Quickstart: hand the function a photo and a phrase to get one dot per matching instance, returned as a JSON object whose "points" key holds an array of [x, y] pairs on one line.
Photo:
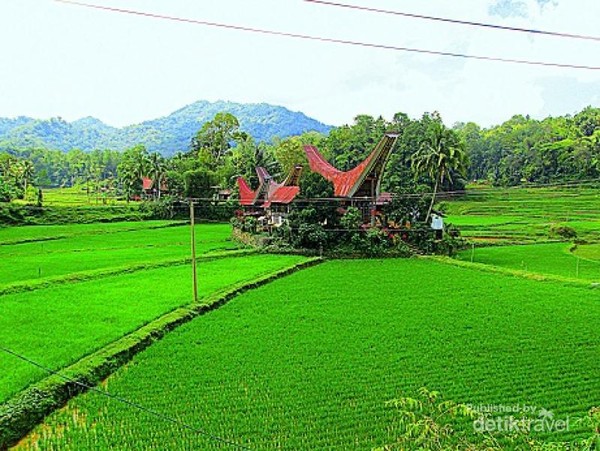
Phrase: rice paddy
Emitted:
{"points": [[308, 361]]}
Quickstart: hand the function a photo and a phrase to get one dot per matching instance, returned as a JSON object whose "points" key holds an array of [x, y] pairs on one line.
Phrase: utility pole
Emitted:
{"points": [[193, 238]]}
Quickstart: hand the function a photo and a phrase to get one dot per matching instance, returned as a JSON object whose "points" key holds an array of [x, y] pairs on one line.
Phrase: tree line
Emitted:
{"points": [[525, 150], [428, 156]]}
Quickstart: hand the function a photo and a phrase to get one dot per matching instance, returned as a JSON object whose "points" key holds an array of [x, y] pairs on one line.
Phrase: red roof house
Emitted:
{"points": [[268, 191], [362, 181]]}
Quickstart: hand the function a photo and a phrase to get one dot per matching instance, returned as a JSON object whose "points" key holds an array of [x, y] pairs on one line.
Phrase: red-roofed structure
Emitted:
{"points": [[362, 181], [149, 188], [270, 192], [147, 183], [247, 196]]}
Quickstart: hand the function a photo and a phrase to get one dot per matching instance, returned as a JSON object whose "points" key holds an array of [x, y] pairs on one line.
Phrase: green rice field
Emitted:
{"points": [[589, 252], [551, 259], [16, 235], [525, 215], [58, 325], [309, 361], [62, 322], [69, 321], [89, 248]]}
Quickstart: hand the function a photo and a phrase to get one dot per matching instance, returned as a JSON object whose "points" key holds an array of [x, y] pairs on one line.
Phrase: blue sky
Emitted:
{"points": [[62, 60]]}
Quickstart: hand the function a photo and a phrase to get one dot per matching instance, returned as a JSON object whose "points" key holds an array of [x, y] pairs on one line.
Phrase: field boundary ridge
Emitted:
{"points": [[25, 410], [514, 272], [77, 234], [86, 276]]}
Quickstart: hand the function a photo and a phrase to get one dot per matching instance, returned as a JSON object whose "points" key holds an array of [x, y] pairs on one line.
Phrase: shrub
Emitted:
{"points": [[311, 236], [163, 208], [559, 231]]}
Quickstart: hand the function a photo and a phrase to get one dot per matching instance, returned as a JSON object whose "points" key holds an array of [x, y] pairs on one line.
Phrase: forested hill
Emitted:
{"points": [[166, 135]]}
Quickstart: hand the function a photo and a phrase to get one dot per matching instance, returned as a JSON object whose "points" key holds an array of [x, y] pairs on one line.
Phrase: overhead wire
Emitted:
{"points": [[329, 40], [466, 193], [456, 21], [123, 400]]}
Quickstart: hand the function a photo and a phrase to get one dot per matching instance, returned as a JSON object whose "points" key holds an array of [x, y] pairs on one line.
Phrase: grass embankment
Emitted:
{"points": [[588, 251], [56, 326], [308, 361], [553, 259], [525, 215]]}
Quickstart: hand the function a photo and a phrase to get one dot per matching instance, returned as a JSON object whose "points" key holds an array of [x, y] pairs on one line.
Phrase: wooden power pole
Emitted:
{"points": [[193, 238]]}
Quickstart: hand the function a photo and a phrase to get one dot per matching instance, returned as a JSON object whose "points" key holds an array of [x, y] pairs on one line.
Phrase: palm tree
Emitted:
{"points": [[134, 165], [158, 171], [441, 155], [28, 172]]}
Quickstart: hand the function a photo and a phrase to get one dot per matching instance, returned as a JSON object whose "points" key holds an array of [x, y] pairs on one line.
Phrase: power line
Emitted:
{"points": [[330, 40], [122, 400], [457, 21]]}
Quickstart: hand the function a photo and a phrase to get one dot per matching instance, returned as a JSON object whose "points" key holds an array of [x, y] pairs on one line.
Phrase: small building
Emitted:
{"points": [[221, 194], [270, 200], [149, 189]]}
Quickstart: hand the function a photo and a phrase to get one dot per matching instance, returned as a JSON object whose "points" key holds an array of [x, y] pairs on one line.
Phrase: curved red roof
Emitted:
{"points": [[271, 191], [348, 183]]}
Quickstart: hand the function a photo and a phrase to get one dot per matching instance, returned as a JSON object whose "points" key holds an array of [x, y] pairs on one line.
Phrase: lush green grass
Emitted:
{"points": [[16, 234], [589, 251], [61, 324], [525, 214], [77, 195], [309, 361], [555, 259], [90, 251]]}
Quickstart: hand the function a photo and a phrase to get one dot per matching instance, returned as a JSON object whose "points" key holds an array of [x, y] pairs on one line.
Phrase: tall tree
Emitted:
{"points": [[158, 171], [134, 165], [441, 155], [216, 138], [28, 172]]}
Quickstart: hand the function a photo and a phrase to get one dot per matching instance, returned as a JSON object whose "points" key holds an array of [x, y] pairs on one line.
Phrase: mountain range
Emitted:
{"points": [[165, 135]]}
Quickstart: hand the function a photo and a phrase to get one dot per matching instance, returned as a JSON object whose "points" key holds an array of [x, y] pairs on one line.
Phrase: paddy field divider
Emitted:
{"points": [[514, 272], [21, 413], [84, 276]]}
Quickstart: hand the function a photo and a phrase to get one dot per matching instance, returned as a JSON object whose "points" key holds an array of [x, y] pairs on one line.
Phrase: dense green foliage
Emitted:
{"points": [[220, 151], [525, 150], [327, 229], [16, 176], [522, 150], [166, 135], [94, 170], [431, 422], [309, 361]]}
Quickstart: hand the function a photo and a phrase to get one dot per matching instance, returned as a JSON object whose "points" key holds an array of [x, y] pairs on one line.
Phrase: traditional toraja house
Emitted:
{"points": [[150, 188], [271, 200], [359, 187]]}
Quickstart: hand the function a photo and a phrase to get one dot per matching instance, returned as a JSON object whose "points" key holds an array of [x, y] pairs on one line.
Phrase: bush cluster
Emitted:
{"points": [[327, 229]]}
